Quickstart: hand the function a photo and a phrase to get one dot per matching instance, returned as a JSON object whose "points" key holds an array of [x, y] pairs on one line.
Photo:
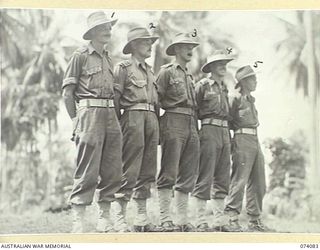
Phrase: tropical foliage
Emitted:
{"points": [[289, 196], [300, 56], [32, 70]]}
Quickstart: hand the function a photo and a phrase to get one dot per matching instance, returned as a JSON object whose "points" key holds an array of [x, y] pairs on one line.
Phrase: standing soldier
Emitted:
{"points": [[213, 111], [137, 95], [248, 162], [88, 95], [178, 132]]}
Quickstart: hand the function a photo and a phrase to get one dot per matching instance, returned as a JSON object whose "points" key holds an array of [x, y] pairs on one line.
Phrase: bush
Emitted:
{"points": [[288, 195]]}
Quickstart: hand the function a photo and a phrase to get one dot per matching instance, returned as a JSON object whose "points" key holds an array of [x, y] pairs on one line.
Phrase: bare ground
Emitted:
{"points": [[39, 222]]}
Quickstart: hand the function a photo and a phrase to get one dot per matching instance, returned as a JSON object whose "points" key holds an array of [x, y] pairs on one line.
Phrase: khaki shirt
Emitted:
{"points": [[91, 72], [136, 83], [243, 112], [212, 99], [176, 87]]}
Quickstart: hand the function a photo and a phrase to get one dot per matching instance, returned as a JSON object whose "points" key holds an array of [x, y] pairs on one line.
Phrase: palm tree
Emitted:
{"points": [[32, 70], [302, 53]]}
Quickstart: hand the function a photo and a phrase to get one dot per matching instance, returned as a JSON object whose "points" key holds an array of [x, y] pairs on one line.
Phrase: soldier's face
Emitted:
{"points": [[102, 33], [250, 83], [219, 68], [142, 47], [184, 51]]}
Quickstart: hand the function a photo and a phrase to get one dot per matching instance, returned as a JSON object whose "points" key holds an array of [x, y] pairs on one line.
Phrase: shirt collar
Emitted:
{"points": [[177, 65], [249, 98], [214, 79]]}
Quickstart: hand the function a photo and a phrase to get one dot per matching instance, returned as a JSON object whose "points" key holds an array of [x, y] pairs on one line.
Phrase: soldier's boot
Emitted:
{"points": [[219, 218], [104, 224], [141, 222], [166, 224], [232, 226], [78, 215], [187, 228], [182, 212], [256, 225], [120, 216], [202, 225]]}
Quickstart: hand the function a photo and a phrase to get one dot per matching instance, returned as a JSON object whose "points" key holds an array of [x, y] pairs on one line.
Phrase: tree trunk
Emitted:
{"points": [[314, 100]]}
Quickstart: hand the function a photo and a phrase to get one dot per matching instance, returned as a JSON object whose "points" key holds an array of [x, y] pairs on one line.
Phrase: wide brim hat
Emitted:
{"points": [[243, 73], [218, 55], [180, 38], [95, 19], [135, 34]]}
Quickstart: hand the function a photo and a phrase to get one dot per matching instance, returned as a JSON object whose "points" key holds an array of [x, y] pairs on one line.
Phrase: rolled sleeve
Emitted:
{"points": [[73, 71]]}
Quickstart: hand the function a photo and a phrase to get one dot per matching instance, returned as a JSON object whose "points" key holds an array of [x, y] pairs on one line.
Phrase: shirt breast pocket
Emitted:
{"points": [[94, 75], [211, 100], [177, 86], [137, 89], [244, 112], [211, 96]]}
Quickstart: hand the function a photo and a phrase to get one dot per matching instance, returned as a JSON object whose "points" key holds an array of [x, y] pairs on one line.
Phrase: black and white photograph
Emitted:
{"points": [[119, 121]]}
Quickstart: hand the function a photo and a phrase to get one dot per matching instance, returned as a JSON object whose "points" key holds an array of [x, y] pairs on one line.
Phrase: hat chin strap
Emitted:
{"points": [[244, 90], [217, 78], [181, 61], [98, 46]]}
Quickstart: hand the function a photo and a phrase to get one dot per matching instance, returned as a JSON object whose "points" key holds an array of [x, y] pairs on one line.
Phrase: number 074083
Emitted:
{"points": [[309, 246]]}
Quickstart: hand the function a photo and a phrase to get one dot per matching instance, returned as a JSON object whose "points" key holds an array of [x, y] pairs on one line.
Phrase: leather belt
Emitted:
{"points": [[103, 103], [180, 110], [142, 106], [213, 121], [249, 131]]}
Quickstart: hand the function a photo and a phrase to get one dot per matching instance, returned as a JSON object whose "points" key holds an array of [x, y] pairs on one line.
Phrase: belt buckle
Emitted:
{"points": [[150, 107], [108, 103]]}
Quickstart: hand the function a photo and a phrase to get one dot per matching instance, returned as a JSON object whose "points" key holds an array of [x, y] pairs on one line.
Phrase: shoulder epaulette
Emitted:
{"points": [[125, 63], [81, 50], [167, 65], [234, 95], [204, 81]]}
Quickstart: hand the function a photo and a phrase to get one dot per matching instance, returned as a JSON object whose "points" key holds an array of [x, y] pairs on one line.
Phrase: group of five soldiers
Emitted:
{"points": [[117, 128]]}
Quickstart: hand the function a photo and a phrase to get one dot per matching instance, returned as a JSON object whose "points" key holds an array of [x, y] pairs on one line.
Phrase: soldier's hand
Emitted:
{"points": [[74, 127]]}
